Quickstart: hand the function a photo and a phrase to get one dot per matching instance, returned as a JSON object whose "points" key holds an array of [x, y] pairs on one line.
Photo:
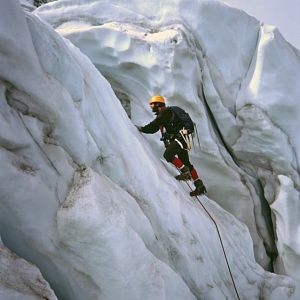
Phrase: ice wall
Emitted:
{"points": [[20, 279], [84, 196], [224, 67]]}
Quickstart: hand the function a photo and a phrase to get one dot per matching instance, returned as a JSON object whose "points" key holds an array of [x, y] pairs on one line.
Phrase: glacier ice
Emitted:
{"points": [[88, 200], [20, 279]]}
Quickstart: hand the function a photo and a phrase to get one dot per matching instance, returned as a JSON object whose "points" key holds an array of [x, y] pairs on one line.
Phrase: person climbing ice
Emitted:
{"points": [[175, 126]]}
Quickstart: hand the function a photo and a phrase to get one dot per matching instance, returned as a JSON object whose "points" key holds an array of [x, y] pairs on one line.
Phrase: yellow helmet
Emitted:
{"points": [[157, 99]]}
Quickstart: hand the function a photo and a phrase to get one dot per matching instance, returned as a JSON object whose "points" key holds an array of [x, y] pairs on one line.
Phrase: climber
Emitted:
{"points": [[171, 120]]}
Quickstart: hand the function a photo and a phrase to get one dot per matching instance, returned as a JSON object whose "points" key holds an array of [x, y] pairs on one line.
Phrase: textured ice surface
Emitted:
{"points": [[88, 199]]}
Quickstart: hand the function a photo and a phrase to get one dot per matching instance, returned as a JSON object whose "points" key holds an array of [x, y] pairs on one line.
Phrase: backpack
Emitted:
{"points": [[184, 117]]}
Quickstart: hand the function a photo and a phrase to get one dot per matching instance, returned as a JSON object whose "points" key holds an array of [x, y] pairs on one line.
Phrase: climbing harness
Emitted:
{"points": [[221, 241], [183, 133]]}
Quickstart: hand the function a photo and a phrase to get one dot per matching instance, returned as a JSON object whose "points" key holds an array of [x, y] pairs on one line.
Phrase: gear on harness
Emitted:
{"points": [[185, 135], [182, 136]]}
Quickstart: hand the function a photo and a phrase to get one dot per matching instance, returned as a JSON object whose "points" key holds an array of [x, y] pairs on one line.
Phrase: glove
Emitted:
{"points": [[139, 128]]}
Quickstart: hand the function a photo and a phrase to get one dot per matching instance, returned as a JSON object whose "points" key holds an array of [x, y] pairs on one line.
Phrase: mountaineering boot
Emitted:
{"points": [[185, 174], [200, 188]]}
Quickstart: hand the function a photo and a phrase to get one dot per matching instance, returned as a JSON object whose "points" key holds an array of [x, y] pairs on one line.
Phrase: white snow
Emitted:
{"points": [[89, 199]]}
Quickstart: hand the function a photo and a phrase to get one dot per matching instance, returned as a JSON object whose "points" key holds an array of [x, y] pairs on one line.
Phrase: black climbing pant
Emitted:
{"points": [[173, 149]]}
